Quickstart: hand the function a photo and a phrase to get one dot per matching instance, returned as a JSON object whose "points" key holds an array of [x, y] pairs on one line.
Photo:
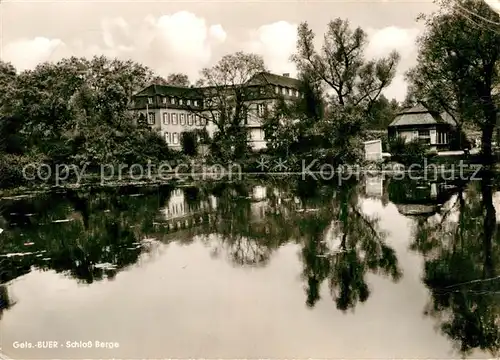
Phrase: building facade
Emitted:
{"points": [[174, 110], [419, 123]]}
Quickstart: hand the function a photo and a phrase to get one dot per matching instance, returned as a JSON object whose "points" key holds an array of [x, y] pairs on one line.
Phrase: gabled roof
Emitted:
{"points": [[266, 78], [417, 210], [420, 115], [167, 90], [262, 78]]}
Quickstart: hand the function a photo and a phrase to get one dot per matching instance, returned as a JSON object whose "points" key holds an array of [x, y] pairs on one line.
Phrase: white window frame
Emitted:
{"points": [[151, 116], [261, 108]]}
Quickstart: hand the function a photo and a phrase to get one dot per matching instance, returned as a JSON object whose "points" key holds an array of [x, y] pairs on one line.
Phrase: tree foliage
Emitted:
{"points": [[227, 100], [382, 113], [189, 143], [340, 64], [458, 64], [177, 79], [76, 111], [339, 91], [462, 270]]}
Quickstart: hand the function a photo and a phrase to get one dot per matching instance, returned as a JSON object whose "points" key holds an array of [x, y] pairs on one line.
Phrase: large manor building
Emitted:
{"points": [[173, 110]]}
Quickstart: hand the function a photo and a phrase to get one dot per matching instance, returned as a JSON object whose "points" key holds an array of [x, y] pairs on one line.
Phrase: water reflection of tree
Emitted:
{"points": [[5, 301], [341, 245], [339, 242], [462, 269], [245, 237], [89, 235]]}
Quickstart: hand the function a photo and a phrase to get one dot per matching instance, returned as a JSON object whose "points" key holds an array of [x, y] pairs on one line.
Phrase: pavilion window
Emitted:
{"points": [[424, 136]]}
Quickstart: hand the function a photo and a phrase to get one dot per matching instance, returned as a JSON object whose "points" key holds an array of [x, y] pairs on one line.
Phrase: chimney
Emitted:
{"points": [[286, 74]]}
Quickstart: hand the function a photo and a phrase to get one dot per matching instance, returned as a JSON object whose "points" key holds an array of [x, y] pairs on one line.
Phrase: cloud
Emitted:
{"points": [[382, 41], [115, 32], [184, 42], [218, 33], [180, 42], [27, 53], [276, 42], [398, 88]]}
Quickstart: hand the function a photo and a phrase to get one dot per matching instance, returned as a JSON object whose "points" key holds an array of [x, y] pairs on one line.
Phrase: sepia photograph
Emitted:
{"points": [[228, 179]]}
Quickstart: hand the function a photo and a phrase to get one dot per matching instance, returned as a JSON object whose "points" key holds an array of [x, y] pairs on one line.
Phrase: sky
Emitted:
{"points": [[185, 36]]}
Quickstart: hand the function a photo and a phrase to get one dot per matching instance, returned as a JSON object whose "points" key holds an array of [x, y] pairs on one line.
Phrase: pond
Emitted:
{"points": [[277, 268]]}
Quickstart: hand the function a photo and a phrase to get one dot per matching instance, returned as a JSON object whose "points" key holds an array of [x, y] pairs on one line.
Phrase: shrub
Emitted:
{"points": [[412, 152], [459, 141], [11, 170], [189, 143], [378, 135]]}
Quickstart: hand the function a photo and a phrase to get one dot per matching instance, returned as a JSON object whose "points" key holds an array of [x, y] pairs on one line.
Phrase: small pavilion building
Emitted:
{"points": [[420, 123]]}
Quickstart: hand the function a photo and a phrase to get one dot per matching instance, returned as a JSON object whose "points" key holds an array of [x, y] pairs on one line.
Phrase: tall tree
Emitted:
{"points": [[10, 140], [77, 110], [178, 79], [354, 83], [341, 66], [226, 101], [158, 80], [290, 127], [457, 67], [382, 113]]}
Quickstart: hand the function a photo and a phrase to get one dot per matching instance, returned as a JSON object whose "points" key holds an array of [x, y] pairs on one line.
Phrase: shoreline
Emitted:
{"points": [[190, 180]]}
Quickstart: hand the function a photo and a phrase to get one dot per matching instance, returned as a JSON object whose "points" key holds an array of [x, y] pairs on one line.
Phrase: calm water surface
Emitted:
{"points": [[280, 269]]}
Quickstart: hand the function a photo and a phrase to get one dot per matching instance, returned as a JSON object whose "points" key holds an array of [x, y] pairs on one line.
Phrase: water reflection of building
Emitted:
{"points": [[180, 213], [259, 202], [374, 186], [419, 198], [178, 206]]}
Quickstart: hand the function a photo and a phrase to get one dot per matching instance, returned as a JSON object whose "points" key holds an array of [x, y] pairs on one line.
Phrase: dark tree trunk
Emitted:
{"points": [[486, 140], [490, 113], [489, 223]]}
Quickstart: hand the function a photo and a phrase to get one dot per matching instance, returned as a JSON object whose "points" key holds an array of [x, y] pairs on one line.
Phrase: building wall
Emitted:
{"points": [[171, 123], [373, 150], [177, 206], [408, 135], [438, 135], [171, 130]]}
